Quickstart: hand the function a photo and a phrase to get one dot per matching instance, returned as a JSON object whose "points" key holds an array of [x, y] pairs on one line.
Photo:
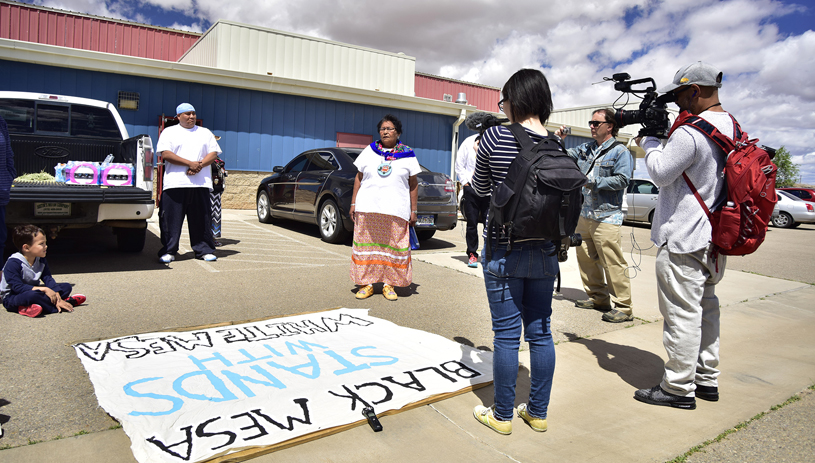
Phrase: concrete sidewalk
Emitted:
{"points": [[767, 356]]}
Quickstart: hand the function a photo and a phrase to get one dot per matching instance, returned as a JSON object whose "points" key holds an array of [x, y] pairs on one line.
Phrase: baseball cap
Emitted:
{"points": [[698, 73], [183, 108]]}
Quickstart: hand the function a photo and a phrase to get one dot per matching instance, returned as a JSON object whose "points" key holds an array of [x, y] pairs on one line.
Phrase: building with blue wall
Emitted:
{"points": [[258, 130]]}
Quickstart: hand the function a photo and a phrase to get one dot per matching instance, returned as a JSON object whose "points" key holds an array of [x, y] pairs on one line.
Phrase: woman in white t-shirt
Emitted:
{"points": [[383, 207]]}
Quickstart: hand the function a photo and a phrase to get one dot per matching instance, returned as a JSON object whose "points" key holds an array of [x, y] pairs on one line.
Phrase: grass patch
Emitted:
{"points": [[699, 448], [81, 433]]}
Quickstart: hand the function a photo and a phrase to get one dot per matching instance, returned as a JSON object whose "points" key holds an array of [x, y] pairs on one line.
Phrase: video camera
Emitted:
{"points": [[653, 111], [481, 121]]}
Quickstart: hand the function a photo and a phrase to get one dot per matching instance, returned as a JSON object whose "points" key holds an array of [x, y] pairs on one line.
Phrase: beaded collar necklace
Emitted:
{"points": [[400, 151]]}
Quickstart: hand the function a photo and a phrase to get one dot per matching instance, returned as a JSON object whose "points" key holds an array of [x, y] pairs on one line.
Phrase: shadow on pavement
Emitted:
{"points": [[640, 369], [94, 250]]}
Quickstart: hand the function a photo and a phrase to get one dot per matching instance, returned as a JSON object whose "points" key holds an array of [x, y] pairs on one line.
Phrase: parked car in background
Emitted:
{"points": [[792, 211], [807, 194], [316, 187], [640, 200]]}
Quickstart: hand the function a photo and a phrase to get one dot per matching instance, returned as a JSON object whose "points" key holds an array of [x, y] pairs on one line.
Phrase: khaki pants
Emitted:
{"points": [[600, 258], [686, 287]]}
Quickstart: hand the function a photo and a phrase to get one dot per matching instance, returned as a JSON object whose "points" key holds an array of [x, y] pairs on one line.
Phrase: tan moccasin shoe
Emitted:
{"points": [[389, 293], [365, 292]]}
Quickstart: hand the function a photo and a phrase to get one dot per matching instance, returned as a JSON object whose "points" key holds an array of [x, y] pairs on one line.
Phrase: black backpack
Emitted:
{"points": [[541, 195]]}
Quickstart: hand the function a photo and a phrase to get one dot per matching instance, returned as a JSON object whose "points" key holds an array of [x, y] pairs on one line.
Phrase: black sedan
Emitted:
{"points": [[316, 187]]}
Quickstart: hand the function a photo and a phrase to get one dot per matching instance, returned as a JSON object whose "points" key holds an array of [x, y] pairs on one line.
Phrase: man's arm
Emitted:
{"points": [[666, 164], [461, 164], [623, 167], [208, 159], [173, 158]]}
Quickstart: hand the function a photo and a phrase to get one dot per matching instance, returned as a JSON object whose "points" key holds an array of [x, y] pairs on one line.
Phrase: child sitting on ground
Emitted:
{"points": [[19, 286]]}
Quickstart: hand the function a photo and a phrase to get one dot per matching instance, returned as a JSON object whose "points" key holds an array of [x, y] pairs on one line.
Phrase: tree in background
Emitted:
{"points": [[788, 171]]}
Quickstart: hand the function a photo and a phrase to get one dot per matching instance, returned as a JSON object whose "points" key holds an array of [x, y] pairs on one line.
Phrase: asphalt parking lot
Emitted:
{"points": [[786, 253], [264, 271]]}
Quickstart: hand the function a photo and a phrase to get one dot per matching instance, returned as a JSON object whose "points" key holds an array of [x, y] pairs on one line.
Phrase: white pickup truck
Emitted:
{"points": [[46, 130]]}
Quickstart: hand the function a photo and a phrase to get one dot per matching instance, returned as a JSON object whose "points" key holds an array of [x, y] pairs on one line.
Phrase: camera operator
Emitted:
{"points": [[608, 165], [687, 268]]}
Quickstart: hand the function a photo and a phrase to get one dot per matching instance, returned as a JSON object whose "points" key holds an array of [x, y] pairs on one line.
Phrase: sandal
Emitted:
{"points": [[389, 293], [365, 292]]}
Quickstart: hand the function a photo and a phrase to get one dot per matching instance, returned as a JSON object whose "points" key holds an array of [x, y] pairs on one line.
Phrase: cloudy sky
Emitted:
{"points": [[766, 48]]}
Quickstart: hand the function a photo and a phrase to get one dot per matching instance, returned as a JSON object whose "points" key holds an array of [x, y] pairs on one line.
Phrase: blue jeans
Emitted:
{"points": [[519, 289]]}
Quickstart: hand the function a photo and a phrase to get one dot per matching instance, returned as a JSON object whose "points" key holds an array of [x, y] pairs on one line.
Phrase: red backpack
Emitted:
{"points": [[740, 225]]}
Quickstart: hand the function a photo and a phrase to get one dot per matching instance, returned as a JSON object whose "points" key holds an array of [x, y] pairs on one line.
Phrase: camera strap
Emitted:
{"points": [[602, 153]]}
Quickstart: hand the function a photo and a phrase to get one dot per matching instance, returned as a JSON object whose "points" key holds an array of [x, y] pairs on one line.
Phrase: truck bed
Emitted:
{"points": [[73, 193]]}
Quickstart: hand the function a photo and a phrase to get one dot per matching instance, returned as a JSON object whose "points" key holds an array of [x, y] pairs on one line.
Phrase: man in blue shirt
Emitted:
{"points": [[608, 165]]}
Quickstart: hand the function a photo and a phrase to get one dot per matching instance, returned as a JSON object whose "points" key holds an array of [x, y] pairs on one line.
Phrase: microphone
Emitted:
{"points": [[481, 121]]}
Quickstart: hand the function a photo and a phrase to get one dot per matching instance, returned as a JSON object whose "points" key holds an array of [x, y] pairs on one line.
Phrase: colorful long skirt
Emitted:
{"points": [[381, 251]]}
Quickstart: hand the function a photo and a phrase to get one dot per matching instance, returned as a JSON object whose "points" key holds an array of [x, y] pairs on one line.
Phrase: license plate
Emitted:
{"points": [[52, 209], [424, 220]]}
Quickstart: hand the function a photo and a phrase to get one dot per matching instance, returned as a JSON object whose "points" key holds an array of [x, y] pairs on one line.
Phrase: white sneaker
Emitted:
{"points": [[210, 257], [167, 258]]}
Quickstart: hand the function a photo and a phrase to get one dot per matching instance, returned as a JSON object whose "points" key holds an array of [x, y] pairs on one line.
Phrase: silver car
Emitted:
{"points": [[640, 200], [792, 211]]}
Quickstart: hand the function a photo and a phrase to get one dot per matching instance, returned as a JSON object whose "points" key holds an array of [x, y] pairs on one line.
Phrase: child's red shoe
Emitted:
{"points": [[77, 299], [32, 310]]}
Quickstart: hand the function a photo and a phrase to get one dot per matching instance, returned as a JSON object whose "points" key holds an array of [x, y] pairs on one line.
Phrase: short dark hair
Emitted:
{"points": [[397, 124], [24, 234], [608, 114], [528, 94]]}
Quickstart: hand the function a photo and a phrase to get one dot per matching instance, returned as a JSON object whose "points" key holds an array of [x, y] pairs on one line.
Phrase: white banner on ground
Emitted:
{"points": [[194, 395]]}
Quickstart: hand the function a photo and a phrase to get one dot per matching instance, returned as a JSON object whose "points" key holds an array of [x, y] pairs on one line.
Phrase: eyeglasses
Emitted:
{"points": [[597, 123], [387, 129], [677, 91], [501, 104]]}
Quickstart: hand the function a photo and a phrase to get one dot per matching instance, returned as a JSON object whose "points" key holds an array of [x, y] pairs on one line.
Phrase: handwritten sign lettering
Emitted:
{"points": [[191, 396]]}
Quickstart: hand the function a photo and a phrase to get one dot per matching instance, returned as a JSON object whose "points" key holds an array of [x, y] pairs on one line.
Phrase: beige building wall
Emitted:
{"points": [[241, 188]]}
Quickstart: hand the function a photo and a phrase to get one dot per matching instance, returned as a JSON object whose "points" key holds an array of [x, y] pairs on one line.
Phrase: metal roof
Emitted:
{"points": [[19, 21], [90, 60], [252, 49]]}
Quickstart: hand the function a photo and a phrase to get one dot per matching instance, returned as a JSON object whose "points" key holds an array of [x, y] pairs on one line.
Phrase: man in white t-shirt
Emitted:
{"points": [[687, 265], [474, 206], [187, 150]]}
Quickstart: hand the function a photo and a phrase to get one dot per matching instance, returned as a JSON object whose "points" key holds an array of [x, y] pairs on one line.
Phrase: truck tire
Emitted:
{"points": [[130, 239]]}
